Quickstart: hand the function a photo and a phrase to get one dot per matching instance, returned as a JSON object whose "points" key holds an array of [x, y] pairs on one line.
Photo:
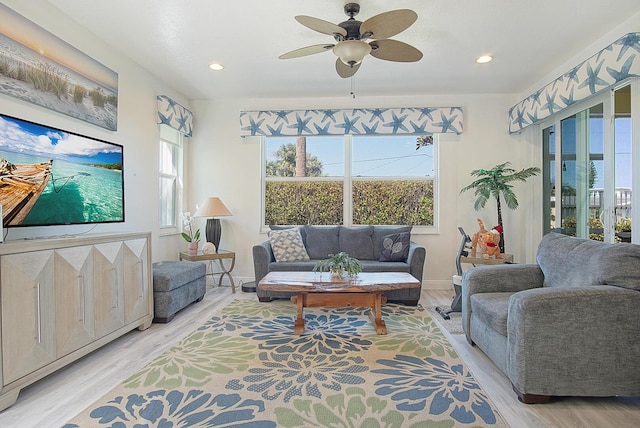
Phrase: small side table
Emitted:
{"points": [[221, 255], [456, 304]]}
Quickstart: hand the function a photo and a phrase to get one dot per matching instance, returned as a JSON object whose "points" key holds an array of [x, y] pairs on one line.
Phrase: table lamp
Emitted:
{"points": [[213, 207]]}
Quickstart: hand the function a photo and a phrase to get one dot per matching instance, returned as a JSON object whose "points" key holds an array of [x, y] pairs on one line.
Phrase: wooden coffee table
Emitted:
{"points": [[321, 290]]}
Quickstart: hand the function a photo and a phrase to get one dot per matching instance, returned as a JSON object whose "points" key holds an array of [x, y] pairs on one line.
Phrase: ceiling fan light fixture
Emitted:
{"points": [[351, 38], [352, 52]]}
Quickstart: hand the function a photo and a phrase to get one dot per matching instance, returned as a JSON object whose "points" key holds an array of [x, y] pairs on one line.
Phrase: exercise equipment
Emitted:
{"points": [[463, 251]]}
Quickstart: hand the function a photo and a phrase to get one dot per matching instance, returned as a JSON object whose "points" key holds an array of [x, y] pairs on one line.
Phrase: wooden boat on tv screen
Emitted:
{"points": [[20, 187]]}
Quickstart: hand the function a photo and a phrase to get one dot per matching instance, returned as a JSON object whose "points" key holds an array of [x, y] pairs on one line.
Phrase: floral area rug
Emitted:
{"points": [[245, 367], [453, 325]]}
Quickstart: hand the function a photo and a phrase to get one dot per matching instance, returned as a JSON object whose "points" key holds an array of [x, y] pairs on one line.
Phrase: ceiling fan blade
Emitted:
{"points": [[387, 24], [345, 70], [393, 50], [308, 50], [320, 25]]}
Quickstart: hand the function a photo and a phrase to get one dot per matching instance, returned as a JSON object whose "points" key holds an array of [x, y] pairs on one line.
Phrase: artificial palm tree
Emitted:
{"points": [[495, 182]]}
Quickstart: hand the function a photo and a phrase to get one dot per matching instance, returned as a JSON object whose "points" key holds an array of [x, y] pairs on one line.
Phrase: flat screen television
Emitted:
{"points": [[53, 177]]}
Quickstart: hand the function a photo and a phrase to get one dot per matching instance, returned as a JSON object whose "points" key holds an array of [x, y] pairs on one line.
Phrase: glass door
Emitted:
{"points": [[551, 221], [582, 157], [587, 170], [623, 164]]}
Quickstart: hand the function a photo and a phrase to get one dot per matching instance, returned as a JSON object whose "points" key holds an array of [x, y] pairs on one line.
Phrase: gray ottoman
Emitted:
{"points": [[175, 286]]}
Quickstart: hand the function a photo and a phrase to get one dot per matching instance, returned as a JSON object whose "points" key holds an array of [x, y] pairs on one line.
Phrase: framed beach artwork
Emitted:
{"points": [[40, 68]]}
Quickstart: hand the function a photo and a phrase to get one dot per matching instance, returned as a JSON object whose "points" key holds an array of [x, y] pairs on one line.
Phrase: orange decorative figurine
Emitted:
{"points": [[476, 240], [490, 241]]}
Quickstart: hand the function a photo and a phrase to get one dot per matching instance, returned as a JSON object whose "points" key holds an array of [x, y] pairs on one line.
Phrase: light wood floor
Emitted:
{"points": [[56, 399]]}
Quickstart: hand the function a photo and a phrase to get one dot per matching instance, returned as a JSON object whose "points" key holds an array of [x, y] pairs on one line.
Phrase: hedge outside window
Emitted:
{"points": [[350, 180]]}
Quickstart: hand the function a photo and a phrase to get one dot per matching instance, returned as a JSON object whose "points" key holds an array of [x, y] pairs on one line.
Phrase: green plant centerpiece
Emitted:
{"points": [[338, 264]]}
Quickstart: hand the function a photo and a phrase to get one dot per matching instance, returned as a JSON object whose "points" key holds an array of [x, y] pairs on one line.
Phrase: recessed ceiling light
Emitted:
{"points": [[215, 66], [484, 59]]}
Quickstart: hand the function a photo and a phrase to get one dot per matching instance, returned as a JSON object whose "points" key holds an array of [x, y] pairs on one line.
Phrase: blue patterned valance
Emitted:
{"points": [[172, 114], [615, 63], [410, 120]]}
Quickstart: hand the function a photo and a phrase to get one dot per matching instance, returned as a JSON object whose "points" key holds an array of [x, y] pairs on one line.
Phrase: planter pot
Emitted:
{"points": [[193, 246], [337, 273]]}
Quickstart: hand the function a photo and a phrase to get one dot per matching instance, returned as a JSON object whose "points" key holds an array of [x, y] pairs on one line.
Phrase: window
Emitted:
{"points": [[350, 180], [170, 176]]}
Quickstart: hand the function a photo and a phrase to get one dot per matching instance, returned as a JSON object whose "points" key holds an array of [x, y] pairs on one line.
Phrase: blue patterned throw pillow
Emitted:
{"points": [[395, 247]]}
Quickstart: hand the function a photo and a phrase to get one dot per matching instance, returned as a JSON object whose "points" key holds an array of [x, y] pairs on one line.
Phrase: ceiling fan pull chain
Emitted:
{"points": [[353, 87]]}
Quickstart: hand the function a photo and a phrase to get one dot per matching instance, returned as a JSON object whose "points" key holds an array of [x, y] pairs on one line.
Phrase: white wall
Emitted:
{"points": [[631, 25], [137, 130], [225, 165]]}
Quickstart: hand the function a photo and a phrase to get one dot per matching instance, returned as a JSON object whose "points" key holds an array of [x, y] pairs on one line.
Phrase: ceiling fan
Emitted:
{"points": [[351, 38]]}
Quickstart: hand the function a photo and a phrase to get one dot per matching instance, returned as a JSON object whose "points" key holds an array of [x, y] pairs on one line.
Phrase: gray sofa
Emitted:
{"points": [[568, 325], [362, 242]]}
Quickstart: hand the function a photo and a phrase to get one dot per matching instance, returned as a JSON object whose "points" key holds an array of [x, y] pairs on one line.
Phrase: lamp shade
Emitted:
{"points": [[212, 207], [351, 52]]}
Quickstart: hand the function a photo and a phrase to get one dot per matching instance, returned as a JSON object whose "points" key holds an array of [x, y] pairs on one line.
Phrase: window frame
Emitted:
{"points": [[348, 180], [175, 138]]}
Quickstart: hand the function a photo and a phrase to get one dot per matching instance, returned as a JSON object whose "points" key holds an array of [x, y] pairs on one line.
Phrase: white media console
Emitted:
{"points": [[62, 298]]}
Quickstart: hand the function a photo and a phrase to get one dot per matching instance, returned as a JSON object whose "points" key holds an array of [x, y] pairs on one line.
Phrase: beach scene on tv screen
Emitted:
{"points": [[49, 176]]}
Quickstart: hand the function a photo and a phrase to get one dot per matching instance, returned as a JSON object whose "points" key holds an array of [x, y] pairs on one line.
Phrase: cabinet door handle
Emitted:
{"points": [[114, 287], [81, 294], [38, 316], [141, 277]]}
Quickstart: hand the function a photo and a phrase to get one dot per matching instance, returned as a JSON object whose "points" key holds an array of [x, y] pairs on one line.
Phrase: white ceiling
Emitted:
{"points": [[177, 39]]}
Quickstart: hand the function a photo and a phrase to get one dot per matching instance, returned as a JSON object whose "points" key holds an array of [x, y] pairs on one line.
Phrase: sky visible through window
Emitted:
{"points": [[623, 154], [377, 156], [623, 173]]}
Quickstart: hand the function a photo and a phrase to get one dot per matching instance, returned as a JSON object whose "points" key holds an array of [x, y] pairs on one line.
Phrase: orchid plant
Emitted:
{"points": [[188, 235]]}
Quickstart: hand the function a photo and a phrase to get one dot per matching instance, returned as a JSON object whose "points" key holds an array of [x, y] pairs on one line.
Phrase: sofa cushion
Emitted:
{"points": [[356, 241], [300, 266], [492, 309], [379, 232], [560, 257], [395, 247], [287, 245], [322, 241], [376, 266]]}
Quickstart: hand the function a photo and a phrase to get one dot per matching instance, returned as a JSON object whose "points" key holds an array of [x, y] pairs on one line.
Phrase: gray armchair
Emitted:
{"points": [[568, 325]]}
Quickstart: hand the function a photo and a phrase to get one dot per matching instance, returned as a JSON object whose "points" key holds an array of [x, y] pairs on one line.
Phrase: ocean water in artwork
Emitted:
{"points": [[77, 192]]}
